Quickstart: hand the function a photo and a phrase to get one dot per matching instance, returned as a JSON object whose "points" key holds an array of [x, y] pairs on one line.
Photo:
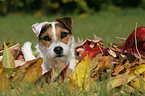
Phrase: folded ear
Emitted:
{"points": [[67, 21], [37, 27]]}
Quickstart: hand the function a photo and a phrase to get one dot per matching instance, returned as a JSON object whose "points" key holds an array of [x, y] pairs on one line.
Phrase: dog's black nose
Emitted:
{"points": [[58, 50]]}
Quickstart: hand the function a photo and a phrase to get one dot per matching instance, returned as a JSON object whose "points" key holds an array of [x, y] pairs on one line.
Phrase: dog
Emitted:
{"points": [[55, 42]]}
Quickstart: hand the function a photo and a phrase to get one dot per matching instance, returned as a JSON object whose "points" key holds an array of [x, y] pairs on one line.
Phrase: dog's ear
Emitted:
{"points": [[37, 27], [67, 21]]}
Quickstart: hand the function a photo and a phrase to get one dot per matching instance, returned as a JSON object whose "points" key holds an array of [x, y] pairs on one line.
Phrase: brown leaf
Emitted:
{"points": [[30, 71], [138, 84], [117, 69], [58, 72], [81, 43], [33, 72], [95, 66], [58, 69], [99, 63], [1, 65], [4, 81], [15, 50]]}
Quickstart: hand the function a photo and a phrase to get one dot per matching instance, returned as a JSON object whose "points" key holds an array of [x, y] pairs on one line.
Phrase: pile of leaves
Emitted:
{"points": [[119, 66]]}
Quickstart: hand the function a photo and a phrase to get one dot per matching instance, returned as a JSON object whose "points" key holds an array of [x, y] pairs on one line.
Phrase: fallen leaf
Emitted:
{"points": [[19, 62], [11, 43], [138, 84], [59, 70], [15, 50], [33, 72], [95, 66], [129, 44], [4, 81], [8, 59], [98, 64], [117, 81], [92, 49], [118, 68], [111, 52], [81, 43], [138, 69], [81, 74], [30, 71]]}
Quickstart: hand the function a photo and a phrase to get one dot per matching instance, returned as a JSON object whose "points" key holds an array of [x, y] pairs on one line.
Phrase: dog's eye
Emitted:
{"points": [[46, 38], [63, 34]]}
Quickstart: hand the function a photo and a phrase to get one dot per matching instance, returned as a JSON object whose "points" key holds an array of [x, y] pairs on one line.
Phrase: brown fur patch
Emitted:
{"points": [[65, 40], [48, 32]]}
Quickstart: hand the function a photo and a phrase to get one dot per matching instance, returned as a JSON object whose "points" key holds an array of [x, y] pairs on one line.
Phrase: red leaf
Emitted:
{"points": [[94, 51], [129, 44], [84, 54]]}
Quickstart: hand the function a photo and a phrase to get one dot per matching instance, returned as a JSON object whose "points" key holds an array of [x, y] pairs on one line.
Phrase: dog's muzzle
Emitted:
{"points": [[58, 51]]}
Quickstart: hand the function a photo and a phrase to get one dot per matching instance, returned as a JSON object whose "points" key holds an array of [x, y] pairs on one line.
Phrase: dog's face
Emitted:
{"points": [[55, 37]]}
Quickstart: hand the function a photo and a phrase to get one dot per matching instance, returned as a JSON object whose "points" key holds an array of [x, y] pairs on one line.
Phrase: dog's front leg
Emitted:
{"points": [[27, 51]]}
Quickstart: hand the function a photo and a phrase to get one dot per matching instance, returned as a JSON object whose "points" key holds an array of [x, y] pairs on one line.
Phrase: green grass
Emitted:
{"points": [[106, 25]]}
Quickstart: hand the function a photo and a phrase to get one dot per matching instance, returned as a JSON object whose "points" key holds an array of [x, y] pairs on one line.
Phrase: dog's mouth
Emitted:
{"points": [[59, 56]]}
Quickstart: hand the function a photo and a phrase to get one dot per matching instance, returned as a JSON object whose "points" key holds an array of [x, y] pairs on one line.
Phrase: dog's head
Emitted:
{"points": [[55, 37]]}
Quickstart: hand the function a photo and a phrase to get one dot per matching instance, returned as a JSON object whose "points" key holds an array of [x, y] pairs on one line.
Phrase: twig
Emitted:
{"points": [[100, 49], [121, 38], [136, 42]]}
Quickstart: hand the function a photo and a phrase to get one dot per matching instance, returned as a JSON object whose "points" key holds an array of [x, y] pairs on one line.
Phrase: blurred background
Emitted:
{"points": [[105, 18]]}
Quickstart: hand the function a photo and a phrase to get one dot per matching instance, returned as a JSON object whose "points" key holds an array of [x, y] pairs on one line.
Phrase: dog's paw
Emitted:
{"points": [[27, 51]]}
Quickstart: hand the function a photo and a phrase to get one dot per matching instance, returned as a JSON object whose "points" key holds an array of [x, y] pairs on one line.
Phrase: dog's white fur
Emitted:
{"points": [[48, 54], [27, 51]]}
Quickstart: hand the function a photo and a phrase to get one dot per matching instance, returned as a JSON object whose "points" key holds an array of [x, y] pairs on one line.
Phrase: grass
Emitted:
{"points": [[104, 24]]}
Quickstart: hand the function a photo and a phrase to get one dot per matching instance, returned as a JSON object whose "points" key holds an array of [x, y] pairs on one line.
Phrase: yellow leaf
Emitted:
{"points": [[140, 69], [11, 43], [138, 84], [137, 70], [20, 70], [8, 59], [33, 72], [81, 73], [126, 78], [4, 81], [118, 81], [71, 84]]}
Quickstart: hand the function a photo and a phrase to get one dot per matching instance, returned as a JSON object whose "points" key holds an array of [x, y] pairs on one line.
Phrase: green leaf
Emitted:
{"points": [[11, 43], [8, 59]]}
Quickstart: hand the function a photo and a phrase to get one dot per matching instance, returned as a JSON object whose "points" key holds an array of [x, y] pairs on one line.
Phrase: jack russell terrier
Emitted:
{"points": [[56, 42]]}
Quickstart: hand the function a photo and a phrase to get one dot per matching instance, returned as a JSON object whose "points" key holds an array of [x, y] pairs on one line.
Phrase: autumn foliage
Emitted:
{"points": [[118, 65]]}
